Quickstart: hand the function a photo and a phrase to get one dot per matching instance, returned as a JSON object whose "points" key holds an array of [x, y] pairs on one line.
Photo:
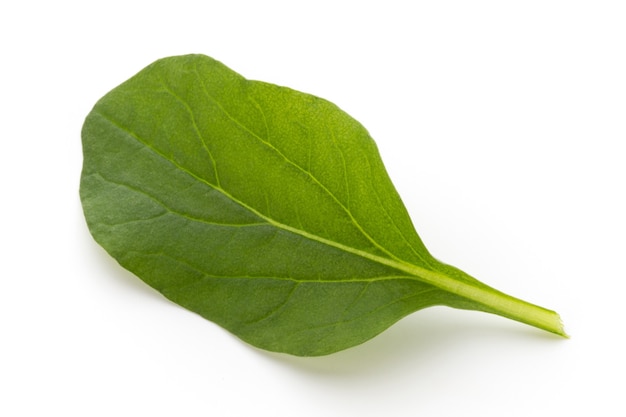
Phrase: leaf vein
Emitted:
{"points": [[171, 210], [278, 308], [209, 276], [196, 128], [384, 207], [298, 167], [374, 311]]}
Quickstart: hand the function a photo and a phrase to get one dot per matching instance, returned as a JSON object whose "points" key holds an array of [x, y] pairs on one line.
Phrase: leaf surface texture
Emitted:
{"points": [[265, 210]]}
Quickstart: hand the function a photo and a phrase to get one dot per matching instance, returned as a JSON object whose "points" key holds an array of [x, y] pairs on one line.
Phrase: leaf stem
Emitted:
{"points": [[493, 300]]}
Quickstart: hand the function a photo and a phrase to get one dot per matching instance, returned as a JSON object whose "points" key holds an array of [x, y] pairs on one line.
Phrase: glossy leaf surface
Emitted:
{"points": [[265, 210]]}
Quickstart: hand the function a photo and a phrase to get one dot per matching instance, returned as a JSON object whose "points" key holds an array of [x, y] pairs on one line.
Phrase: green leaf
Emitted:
{"points": [[265, 210]]}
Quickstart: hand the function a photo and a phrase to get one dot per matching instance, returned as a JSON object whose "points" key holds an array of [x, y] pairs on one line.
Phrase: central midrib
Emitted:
{"points": [[396, 264], [494, 300]]}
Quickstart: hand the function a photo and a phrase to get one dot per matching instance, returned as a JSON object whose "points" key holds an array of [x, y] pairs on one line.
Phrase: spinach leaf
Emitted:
{"points": [[265, 210]]}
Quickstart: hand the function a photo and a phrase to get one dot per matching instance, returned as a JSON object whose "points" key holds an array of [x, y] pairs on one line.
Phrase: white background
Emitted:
{"points": [[501, 123]]}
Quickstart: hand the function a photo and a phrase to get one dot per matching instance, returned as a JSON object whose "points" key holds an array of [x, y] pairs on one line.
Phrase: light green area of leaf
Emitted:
{"points": [[265, 210]]}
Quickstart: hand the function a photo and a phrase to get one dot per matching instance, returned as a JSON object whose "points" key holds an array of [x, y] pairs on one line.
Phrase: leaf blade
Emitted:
{"points": [[222, 179]]}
